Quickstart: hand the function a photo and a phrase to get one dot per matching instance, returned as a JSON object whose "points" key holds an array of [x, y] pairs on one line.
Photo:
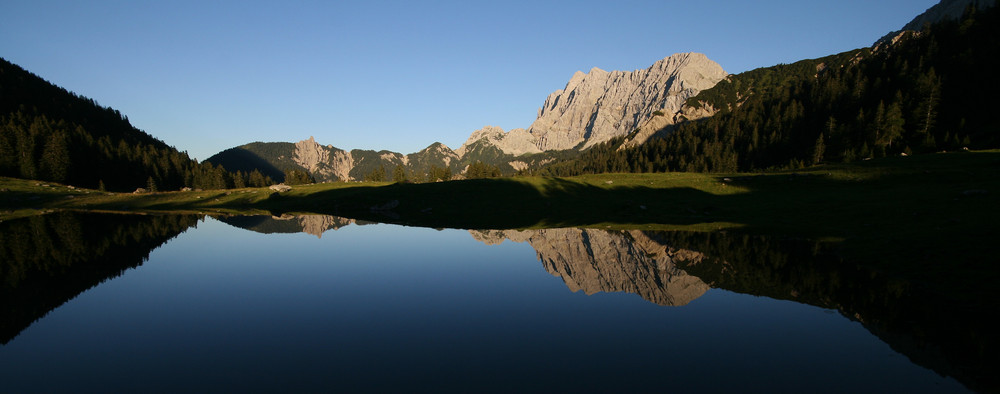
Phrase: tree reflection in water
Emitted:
{"points": [[47, 260]]}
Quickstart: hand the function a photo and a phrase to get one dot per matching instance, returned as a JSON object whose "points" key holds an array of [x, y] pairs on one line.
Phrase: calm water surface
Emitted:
{"points": [[376, 307]]}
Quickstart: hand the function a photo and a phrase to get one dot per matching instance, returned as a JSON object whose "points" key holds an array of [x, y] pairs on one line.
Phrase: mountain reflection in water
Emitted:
{"points": [[610, 261], [47, 260]]}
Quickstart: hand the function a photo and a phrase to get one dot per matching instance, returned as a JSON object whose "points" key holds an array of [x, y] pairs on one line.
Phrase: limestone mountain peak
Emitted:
{"points": [[600, 105]]}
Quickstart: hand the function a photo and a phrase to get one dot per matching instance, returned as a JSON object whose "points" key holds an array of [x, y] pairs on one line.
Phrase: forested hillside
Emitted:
{"points": [[922, 92], [48, 133]]}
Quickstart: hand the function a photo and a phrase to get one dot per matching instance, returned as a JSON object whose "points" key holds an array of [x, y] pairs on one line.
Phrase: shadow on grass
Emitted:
{"points": [[11, 200], [507, 203], [942, 202]]}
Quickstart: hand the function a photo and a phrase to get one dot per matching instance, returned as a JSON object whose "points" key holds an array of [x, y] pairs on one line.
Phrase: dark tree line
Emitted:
{"points": [[928, 92], [48, 133]]}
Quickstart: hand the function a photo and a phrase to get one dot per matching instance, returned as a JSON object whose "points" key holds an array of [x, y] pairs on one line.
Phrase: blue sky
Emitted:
{"points": [[207, 75]]}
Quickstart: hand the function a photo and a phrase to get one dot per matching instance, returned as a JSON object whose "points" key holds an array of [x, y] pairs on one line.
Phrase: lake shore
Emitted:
{"points": [[906, 215]]}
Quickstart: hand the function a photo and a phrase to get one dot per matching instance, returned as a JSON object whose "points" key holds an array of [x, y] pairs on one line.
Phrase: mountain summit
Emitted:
{"points": [[599, 105]]}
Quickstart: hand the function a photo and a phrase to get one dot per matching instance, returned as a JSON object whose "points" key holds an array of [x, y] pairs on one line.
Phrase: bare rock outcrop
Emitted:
{"points": [[323, 161], [603, 261], [515, 142], [658, 125], [599, 105]]}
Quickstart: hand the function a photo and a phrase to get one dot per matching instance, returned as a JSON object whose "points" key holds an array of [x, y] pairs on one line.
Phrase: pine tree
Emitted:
{"points": [[376, 175], [438, 173], [25, 153], [55, 158], [818, 150], [893, 124], [399, 174], [927, 110], [8, 156], [257, 179]]}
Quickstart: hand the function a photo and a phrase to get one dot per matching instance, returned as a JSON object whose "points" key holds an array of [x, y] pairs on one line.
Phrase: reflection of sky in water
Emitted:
{"points": [[380, 306]]}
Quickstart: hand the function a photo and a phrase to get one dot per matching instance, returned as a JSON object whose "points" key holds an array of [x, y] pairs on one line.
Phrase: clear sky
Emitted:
{"points": [[208, 75]]}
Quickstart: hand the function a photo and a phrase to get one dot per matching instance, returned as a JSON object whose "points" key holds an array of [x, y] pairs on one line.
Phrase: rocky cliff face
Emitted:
{"points": [[599, 105], [323, 162], [657, 126], [515, 142], [601, 261]]}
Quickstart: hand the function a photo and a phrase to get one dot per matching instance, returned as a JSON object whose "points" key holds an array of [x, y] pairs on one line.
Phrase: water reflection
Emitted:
{"points": [[596, 261], [674, 268], [48, 260], [309, 224]]}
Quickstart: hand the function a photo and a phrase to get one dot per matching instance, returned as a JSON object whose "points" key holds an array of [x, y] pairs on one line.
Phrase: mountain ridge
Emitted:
{"points": [[593, 107], [945, 10]]}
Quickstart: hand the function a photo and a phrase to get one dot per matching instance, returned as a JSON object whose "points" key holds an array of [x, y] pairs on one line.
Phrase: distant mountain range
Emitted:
{"points": [[592, 108]]}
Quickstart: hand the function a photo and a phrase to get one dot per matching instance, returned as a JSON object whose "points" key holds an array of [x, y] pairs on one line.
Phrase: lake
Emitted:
{"points": [[110, 303]]}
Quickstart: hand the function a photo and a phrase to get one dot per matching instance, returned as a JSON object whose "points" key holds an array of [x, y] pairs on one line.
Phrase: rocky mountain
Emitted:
{"points": [[592, 108], [911, 93], [599, 105], [603, 261], [327, 163], [324, 161], [515, 142]]}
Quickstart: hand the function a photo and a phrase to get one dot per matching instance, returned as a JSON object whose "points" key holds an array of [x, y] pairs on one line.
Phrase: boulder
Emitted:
{"points": [[280, 188]]}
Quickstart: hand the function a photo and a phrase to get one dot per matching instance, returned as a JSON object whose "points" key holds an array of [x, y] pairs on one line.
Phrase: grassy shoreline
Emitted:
{"points": [[898, 212]]}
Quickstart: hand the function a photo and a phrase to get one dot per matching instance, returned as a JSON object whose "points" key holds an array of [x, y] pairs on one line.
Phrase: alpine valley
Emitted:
{"points": [[828, 224]]}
